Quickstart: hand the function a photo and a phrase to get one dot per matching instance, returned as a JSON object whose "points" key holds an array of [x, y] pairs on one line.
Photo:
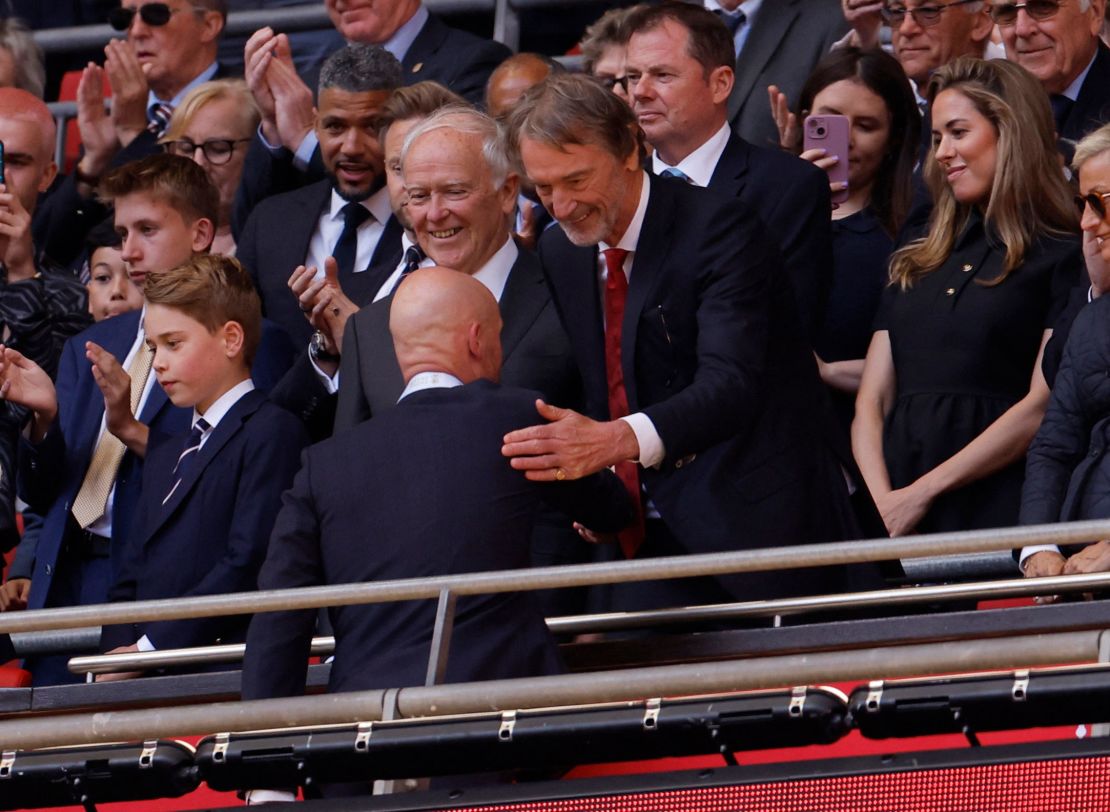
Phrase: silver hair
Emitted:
{"points": [[30, 71], [1091, 146], [361, 69], [472, 122]]}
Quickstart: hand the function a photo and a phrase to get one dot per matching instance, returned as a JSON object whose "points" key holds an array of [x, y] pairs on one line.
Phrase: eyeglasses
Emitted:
{"points": [[925, 16], [216, 151], [609, 82], [1095, 200], [1007, 13], [154, 14]]}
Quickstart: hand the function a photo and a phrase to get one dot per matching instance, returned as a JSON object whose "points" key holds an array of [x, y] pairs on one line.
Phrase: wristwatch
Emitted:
{"points": [[318, 349]]}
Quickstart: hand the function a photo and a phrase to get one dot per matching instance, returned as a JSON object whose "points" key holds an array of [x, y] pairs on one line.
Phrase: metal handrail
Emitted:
{"points": [[526, 580], [620, 621], [555, 691]]}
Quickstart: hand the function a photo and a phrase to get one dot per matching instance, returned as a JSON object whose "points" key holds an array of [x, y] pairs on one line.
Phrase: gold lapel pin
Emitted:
{"points": [[416, 68]]}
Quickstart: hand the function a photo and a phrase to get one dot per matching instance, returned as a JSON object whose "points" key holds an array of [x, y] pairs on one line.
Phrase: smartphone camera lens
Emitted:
{"points": [[820, 131]]}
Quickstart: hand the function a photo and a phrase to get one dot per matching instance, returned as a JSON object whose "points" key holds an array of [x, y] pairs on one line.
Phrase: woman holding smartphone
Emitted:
{"points": [[952, 390], [870, 89]]}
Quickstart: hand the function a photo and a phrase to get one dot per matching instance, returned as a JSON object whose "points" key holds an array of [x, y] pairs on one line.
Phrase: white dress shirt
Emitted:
{"points": [[330, 227], [699, 165]]}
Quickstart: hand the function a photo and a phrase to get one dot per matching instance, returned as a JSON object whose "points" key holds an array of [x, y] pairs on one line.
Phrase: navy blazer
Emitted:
{"points": [[275, 241], [211, 536], [535, 351], [419, 491], [712, 354], [792, 198], [1092, 107], [51, 472]]}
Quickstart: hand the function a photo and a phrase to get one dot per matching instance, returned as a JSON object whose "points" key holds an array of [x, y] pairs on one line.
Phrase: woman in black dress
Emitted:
{"points": [[952, 390], [871, 89]]}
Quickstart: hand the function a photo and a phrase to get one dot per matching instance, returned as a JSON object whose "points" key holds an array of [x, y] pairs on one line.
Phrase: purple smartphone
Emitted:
{"points": [[830, 133]]}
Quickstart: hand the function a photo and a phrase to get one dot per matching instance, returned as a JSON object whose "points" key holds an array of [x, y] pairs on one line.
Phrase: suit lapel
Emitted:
{"points": [[522, 300], [427, 42], [651, 249], [224, 431], [730, 174], [290, 243], [765, 39]]}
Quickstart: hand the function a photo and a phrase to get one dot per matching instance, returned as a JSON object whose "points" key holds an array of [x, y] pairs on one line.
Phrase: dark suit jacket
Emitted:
{"points": [[791, 197], [211, 536], [786, 42], [536, 353], [50, 473], [1092, 108], [275, 241], [446, 502], [712, 354], [457, 59]]}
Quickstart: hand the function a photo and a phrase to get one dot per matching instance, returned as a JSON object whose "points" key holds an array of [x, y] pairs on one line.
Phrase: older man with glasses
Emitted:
{"points": [[1058, 42]]}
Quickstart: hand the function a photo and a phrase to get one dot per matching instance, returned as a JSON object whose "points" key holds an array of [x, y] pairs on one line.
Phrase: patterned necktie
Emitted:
{"points": [[354, 215], [158, 118], [413, 257], [188, 455], [733, 19], [92, 498], [616, 292], [671, 172]]}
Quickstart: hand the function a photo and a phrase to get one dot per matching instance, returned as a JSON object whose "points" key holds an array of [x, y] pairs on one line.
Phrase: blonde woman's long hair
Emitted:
{"points": [[1029, 196]]}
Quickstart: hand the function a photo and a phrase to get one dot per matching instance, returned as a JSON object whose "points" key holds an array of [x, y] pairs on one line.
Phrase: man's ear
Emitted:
{"points": [[233, 337], [204, 231], [984, 25], [721, 80], [48, 176], [508, 192], [212, 26]]}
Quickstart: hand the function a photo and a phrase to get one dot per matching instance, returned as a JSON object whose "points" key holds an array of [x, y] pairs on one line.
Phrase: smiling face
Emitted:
{"points": [[869, 120], [676, 103], [586, 188], [1094, 178], [347, 126], [922, 49], [1058, 49], [194, 366], [460, 218], [966, 144], [156, 236], [172, 55], [111, 290], [369, 21]]}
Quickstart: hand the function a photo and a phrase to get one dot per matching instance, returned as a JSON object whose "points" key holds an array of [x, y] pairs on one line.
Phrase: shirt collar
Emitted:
{"points": [[495, 273], [377, 204], [698, 166], [204, 76], [429, 380], [403, 37], [222, 405], [749, 7], [1072, 90], [631, 234]]}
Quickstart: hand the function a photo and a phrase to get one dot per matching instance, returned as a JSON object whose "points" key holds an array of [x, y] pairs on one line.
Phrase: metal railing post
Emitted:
{"points": [[441, 638]]}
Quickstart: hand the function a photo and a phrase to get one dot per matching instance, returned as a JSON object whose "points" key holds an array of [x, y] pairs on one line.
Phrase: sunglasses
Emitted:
{"points": [[216, 151], [1007, 13], [153, 14], [1095, 200], [925, 16]]}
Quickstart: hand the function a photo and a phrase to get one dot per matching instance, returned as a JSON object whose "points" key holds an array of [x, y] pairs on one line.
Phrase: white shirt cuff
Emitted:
{"points": [[330, 383], [303, 156], [275, 149], [144, 644], [1036, 548], [651, 444], [265, 796]]}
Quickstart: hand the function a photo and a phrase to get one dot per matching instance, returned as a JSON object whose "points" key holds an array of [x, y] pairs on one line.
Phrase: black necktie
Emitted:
{"points": [[413, 257], [733, 19], [346, 249], [1061, 106], [188, 455]]}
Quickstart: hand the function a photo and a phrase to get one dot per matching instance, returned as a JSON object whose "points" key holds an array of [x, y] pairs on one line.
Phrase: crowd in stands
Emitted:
{"points": [[526, 315]]}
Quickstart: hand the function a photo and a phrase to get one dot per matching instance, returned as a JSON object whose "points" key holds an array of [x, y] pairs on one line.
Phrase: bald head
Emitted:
{"points": [[512, 78], [446, 321], [21, 105]]}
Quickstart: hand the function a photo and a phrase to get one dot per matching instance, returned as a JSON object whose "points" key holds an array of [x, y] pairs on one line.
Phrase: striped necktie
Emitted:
{"points": [[158, 118], [188, 455]]}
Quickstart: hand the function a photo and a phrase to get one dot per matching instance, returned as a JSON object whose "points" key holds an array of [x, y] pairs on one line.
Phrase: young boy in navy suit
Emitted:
{"points": [[209, 497]]}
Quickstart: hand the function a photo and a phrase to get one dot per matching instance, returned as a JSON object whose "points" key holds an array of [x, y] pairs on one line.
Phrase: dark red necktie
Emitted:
{"points": [[616, 292]]}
